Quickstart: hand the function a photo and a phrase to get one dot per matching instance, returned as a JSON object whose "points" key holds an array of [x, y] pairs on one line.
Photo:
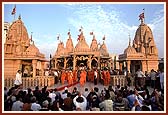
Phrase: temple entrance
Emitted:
{"points": [[81, 62], [27, 68], [69, 64], [60, 64], [94, 63], [135, 65]]}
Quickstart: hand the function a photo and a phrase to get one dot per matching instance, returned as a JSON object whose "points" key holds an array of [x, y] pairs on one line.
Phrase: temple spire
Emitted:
{"points": [[142, 16], [69, 33], [19, 17], [129, 40]]}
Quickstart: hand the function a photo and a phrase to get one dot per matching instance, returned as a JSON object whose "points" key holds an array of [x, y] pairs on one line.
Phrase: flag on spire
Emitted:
{"points": [[13, 11], [104, 37], [91, 33], [58, 36], [31, 38], [141, 16], [80, 29], [78, 37], [69, 33]]}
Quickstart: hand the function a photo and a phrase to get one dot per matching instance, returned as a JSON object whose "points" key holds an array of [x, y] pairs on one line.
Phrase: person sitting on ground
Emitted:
{"points": [[80, 102], [68, 103], [44, 106], [107, 104], [18, 105], [35, 106]]}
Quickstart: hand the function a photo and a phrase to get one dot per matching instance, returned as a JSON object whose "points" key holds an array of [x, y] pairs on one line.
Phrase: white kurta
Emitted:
{"points": [[18, 80]]}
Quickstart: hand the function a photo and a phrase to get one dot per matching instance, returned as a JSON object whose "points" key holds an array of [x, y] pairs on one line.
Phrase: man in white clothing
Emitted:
{"points": [[161, 75], [80, 102], [140, 78], [18, 79]]}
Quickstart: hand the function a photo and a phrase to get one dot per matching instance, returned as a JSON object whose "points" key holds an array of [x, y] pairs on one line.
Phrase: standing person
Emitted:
{"points": [[56, 77], [129, 78], [18, 79], [74, 75], [140, 76], [25, 73], [82, 77], [95, 77], [70, 78], [161, 75], [107, 78], [63, 75], [153, 78], [148, 79]]}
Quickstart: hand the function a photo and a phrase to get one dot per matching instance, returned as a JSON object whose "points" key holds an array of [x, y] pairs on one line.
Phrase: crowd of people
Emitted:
{"points": [[113, 98]]}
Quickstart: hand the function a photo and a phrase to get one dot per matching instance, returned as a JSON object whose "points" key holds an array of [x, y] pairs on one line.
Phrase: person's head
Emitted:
{"points": [[145, 108], [80, 99], [68, 94], [29, 90], [107, 95], [37, 88], [86, 89], [75, 89], [33, 99], [19, 71], [45, 103]]}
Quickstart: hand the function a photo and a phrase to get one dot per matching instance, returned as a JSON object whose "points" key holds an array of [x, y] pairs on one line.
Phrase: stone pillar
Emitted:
{"points": [[128, 65], [55, 63], [19, 65], [144, 65], [42, 68], [120, 66], [99, 63], [34, 62], [74, 62], [65, 61], [89, 61]]}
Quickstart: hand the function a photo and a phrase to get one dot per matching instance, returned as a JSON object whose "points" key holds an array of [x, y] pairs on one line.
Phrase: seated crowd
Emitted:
{"points": [[111, 99]]}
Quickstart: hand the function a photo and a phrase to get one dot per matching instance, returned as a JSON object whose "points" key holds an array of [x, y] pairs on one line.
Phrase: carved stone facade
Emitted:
{"points": [[72, 57], [143, 54], [21, 53]]}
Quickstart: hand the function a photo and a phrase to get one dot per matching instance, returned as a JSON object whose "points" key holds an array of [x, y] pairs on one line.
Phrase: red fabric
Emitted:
{"points": [[14, 10], [141, 16]]}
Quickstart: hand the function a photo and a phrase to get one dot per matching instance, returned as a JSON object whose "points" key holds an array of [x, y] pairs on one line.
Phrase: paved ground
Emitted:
{"points": [[88, 85]]}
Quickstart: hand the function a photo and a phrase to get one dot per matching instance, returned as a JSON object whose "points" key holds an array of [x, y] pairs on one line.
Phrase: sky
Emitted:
{"points": [[115, 21]]}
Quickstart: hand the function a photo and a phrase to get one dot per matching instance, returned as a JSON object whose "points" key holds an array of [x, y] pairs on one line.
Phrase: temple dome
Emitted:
{"points": [[94, 45], [103, 50], [142, 32], [130, 50], [33, 48], [21, 33], [82, 46], [69, 44], [60, 49], [144, 40]]}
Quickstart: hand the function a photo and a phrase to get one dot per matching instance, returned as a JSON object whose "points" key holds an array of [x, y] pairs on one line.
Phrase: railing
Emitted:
{"points": [[118, 80], [31, 81]]}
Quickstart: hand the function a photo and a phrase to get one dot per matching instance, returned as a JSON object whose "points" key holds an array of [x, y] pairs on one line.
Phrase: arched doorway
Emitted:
{"points": [[135, 65], [69, 64], [81, 62], [60, 64], [94, 63]]}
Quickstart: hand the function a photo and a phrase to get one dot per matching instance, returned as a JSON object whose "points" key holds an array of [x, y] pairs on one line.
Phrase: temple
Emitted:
{"points": [[70, 57], [20, 53], [143, 54]]}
